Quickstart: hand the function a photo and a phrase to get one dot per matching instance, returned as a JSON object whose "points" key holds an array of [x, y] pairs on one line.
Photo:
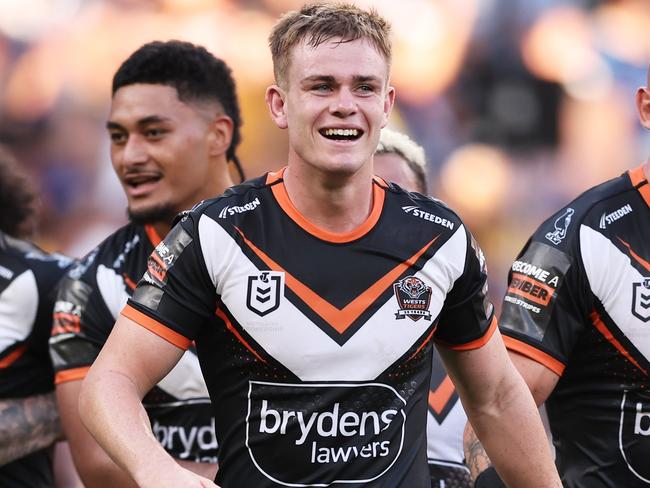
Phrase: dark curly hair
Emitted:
{"points": [[17, 197], [193, 71]]}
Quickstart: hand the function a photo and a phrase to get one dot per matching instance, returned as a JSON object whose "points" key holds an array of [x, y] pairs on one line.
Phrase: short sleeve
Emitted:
{"points": [[81, 323], [175, 298], [543, 309], [467, 319]]}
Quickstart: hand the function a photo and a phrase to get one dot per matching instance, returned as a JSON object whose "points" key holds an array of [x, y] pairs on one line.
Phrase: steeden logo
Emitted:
{"points": [[228, 210]]}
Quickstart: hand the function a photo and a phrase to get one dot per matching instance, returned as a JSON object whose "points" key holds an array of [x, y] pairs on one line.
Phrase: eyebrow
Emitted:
{"points": [[331, 79], [151, 119]]}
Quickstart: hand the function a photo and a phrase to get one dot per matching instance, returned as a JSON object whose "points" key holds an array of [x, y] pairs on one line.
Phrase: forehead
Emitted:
{"points": [[356, 58], [141, 100]]}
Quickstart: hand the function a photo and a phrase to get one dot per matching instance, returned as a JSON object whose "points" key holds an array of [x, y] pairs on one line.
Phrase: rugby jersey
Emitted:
{"points": [[88, 303], [27, 280], [319, 360], [578, 302]]}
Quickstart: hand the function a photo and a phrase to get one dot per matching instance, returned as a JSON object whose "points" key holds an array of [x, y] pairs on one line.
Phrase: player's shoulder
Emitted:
{"points": [[421, 208], [22, 255], [595, 207], [111, 252], [235, 201]]}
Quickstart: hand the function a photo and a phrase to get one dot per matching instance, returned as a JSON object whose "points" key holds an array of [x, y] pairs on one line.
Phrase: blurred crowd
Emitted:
{"points": [[520, 104]]}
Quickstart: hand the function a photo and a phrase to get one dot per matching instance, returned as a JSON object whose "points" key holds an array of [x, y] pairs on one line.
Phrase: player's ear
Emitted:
{"points": [[220, 135], [275, 100], [643, 105], [389, 101]]}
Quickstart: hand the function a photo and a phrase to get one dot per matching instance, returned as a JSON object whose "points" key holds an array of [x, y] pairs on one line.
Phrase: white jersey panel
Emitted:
{"points": [[448, 436], [111, 286], [300, 345], [612, 284], [18, 306]]}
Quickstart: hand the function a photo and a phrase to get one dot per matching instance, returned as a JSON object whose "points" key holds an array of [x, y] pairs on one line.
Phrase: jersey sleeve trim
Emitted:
{"points": [[476, 343], [535, 354], [156, 327], [12, 357], [74, 374]]}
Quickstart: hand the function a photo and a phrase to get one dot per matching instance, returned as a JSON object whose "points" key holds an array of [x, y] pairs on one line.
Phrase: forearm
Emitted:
{"points": [[27, 425], [207, 470], [111, 409], [511, 431], [476, 458]]}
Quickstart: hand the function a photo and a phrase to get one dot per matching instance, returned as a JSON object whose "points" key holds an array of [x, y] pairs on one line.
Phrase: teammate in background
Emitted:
{"points": [[576, 319], [174, 124], [328, 295], [29, 421], [401, 160]]}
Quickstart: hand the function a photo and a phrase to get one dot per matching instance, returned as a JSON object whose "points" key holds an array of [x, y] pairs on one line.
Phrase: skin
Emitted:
{"points": [[176, 152], [540, 380], [334, 85], [392, 167]]}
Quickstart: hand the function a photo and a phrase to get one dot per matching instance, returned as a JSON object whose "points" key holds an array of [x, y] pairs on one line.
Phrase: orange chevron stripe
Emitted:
{"points": [[12, 357], [636, 257], [439, 398], [339, 319], [602, 328], [219, 313]]}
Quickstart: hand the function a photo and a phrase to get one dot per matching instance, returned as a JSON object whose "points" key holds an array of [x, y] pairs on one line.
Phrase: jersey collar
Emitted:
{"points": [[280, 193]]}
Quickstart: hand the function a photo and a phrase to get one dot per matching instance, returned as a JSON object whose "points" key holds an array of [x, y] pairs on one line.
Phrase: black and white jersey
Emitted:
{"points": [[27, 280], [578, 302], [88, 303], [319, 360], [446, 421]]}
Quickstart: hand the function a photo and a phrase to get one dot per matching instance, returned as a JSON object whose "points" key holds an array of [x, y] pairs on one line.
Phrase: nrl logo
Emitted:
{"points": [[413, 297], [641, 300], [264, 292]]}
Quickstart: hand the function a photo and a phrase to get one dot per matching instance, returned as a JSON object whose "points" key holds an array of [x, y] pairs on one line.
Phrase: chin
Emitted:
{"points": [[151, 214]]}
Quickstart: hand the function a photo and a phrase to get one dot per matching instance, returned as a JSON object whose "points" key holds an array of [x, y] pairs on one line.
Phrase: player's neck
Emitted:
{"points": [[335, 204]]}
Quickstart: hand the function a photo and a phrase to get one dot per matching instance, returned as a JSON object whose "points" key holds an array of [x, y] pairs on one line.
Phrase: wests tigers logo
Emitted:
{"points": [[414, 297]]}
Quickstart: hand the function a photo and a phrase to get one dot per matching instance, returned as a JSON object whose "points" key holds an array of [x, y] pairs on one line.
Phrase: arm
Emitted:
{"points": [[27, 425], [131, 362], [502, 411], [540, 380]]}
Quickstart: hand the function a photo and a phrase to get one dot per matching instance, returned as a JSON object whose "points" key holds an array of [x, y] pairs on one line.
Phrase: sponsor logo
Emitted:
{"points": [[414, 297], [634, 433], [641, 299], [606, 219], [319, 434], [264, 292], [530, 288], [521, 303], [165, 255], [66, 318], [228, 210], [190, 443], [561, 225], [418, 212]]}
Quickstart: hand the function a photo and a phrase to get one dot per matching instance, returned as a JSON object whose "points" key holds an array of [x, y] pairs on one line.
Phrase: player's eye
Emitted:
{"points": [[118, 137]]}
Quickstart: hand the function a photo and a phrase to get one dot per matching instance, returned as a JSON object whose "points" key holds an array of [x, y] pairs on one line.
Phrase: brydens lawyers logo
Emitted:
{"points": [[319, 434], [264, 292], [414, 297], [634, 433], [641, 300]]}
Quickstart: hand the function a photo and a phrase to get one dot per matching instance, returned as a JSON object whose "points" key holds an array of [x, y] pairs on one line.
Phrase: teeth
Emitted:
{"points": [[342, 132]]}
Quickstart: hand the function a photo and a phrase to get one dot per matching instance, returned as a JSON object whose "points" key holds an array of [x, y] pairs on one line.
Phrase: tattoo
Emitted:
{"points": [[475, 456], [27, 425]]}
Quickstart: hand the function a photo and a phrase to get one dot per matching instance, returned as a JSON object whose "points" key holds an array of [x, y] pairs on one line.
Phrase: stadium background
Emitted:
{"points": [[520, 104]]}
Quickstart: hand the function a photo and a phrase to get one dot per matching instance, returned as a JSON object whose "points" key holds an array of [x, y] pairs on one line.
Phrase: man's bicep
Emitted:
{"points": [[137, 353], [540, 379], [477, 372]]}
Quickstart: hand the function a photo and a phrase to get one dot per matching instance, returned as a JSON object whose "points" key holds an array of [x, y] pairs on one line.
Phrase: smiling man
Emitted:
{"points": [[328, 295], [173, 124]]}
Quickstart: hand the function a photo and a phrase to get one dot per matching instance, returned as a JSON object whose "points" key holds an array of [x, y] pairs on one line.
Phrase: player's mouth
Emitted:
{"points": [[341, 134], [141, 183]]}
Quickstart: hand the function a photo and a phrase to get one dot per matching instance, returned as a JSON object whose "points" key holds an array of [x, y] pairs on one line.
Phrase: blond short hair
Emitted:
{"points": [[318, 23], [393, 142]]}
